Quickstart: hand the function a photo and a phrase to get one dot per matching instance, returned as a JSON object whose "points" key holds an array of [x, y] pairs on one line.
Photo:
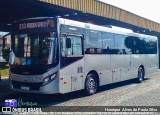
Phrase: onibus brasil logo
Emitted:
{"points": [[14, 103]]}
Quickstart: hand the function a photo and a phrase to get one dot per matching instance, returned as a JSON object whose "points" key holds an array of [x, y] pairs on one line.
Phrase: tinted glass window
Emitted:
{"points": [[108, 43], [119, 44], [138, 45], [93, 43], [151, 45], [93, 34], [128, 44], [71, 29], [134, 45], [143, 46], [76, 46]]}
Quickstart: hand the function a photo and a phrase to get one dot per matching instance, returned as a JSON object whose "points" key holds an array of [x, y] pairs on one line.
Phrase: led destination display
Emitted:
{"points": [[34, 24]]}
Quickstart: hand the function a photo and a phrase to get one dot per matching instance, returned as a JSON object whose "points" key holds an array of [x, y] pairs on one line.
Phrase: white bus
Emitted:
{"points": [[56, 55]]}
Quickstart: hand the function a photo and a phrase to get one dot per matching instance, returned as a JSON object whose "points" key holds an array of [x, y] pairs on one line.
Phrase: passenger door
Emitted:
{"points": [[72, 62]]}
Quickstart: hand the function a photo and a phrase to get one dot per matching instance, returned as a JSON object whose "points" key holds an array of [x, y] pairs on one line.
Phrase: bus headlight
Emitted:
{"points": [[49, 78]]}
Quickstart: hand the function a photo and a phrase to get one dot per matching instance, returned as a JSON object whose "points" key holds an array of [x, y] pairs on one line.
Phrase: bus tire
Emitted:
{"points": [[91, 84], [140, 77]]}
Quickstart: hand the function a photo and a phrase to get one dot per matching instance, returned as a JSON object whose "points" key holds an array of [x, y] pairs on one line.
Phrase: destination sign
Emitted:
{"points": [[34, 25]]}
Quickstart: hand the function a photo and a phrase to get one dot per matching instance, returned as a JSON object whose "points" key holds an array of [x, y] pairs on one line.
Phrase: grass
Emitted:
{"points": [[4, 70]]}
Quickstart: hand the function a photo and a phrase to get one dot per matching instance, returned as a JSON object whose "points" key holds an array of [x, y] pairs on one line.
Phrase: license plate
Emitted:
{"points": [[24, 87]]}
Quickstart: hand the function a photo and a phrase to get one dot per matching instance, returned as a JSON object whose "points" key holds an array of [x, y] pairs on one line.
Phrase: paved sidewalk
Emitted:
{"points": [[127, 93]]}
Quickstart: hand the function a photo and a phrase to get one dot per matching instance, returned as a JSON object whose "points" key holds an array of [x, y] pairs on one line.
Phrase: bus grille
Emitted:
{"points": [[32, 86]]}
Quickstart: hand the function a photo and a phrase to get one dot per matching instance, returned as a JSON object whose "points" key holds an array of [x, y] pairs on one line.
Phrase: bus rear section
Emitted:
{"points": [[108, 56]]}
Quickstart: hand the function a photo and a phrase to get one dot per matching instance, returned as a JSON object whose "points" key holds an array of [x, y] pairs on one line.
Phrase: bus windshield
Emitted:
{"points": [[33, 49]]}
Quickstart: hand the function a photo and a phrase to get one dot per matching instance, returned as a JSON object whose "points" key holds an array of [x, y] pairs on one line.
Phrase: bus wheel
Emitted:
{"points": [[91, 84], [140, 75]]}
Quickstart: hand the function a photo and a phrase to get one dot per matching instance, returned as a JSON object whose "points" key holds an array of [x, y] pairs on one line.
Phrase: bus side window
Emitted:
{"points": [[150, 45], [76, 46], [63, 44], [119, 44], [108, 43], [93, 42]]}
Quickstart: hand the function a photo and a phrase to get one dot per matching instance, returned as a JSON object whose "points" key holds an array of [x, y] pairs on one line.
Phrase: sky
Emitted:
{"points": [[3, 33], [149, 9]]}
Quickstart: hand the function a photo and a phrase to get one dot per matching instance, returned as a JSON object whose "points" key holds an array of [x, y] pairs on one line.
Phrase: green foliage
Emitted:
{"points": [[5, 53], [4, 72]]}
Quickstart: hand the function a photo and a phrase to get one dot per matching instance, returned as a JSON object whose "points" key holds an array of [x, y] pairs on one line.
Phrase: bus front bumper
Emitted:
{"points": [[50, 88]]}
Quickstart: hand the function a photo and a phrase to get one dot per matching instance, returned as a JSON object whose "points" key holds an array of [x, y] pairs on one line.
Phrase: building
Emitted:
{"points": [[7, 43]]}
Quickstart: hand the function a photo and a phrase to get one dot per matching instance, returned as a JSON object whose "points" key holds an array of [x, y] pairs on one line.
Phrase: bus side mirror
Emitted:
{"points": [[68, 43]]}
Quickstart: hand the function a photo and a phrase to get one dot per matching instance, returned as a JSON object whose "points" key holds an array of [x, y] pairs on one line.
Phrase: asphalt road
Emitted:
{"points": [[128, 93]]}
